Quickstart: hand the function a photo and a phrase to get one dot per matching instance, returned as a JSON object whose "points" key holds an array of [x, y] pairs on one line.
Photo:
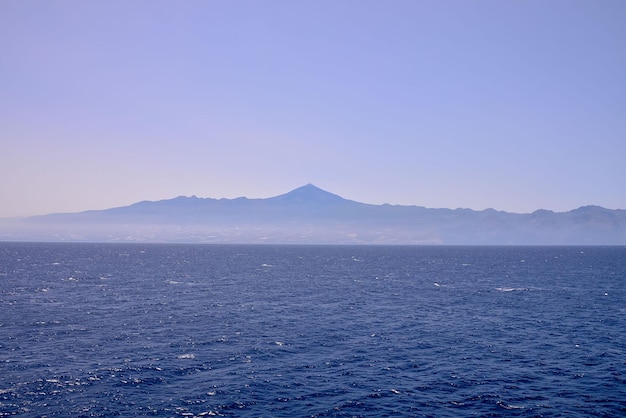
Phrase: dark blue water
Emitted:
{"points": [[191, 330]]}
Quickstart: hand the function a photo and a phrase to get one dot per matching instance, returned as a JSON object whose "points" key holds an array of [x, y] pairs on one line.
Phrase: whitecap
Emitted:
{"points": [[508, 406], [187, 356], [511, 289]]}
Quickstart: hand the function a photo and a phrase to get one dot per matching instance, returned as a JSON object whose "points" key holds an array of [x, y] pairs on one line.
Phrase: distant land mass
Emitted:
{"points": [[310, 215]]}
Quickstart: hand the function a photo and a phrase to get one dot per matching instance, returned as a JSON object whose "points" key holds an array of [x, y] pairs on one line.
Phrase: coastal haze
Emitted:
{"points": [[310, 215]]}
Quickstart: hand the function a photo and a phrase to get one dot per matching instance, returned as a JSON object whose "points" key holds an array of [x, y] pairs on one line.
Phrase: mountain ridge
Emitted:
{"points": [[311, 215]]}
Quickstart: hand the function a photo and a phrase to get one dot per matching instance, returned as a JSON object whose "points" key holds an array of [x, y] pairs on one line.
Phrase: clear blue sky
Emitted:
{"points": [[515, 105]]}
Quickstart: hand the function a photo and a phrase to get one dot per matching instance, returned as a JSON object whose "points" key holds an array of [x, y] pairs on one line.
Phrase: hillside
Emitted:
{"points": [[310, 215]]}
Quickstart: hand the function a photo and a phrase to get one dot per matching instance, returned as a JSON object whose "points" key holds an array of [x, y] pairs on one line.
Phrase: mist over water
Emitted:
{"points": [[202, 330]]}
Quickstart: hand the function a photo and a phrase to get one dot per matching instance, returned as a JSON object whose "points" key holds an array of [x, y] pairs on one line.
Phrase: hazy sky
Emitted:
{"points": [[515, 105]]}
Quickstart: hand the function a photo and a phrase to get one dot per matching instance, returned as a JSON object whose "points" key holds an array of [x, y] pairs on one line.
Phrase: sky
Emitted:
{"points": [[512, 105]]}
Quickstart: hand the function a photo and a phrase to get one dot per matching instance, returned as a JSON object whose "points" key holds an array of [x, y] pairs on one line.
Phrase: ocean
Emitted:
{"points": [[101, 330]]}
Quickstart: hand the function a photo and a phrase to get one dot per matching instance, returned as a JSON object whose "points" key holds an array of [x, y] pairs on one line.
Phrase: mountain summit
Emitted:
{"points": [[308, 194], [310, 215]]}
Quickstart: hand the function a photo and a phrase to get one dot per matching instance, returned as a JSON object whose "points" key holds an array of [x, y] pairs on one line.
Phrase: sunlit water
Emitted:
{"points": [[192, 330]]}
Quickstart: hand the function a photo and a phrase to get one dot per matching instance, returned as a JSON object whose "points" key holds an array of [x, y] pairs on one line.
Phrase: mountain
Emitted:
{"points": [[310, 215]]}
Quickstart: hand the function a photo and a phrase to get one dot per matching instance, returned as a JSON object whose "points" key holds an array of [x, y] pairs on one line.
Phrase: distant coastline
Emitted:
{"points": [[310, 215]]}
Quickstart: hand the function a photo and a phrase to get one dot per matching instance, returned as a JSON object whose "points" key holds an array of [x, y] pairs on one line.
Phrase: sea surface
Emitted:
{"points": [[101, 330]]}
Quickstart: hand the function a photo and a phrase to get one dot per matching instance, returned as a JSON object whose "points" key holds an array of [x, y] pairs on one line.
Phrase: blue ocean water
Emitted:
{"points": [[201, 330]]}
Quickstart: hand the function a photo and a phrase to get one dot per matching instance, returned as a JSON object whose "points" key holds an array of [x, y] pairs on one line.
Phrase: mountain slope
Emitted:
{"points": [[309, 214]]}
